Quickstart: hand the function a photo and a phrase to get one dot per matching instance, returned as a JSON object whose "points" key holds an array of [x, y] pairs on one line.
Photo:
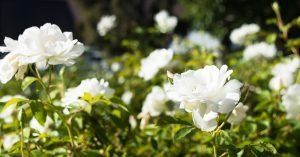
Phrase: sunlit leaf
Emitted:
{"points": [[27, 82]]}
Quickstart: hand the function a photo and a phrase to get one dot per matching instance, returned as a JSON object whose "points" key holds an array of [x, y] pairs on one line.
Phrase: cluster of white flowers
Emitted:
{"points": [[238, 114], [261, 49], [7, 114], [206, 92], [165, 22], [204, 40], [283, 74], [291, 101], [71, 99], [154, 62], [239, 35], [46, 45], [105, 24]]}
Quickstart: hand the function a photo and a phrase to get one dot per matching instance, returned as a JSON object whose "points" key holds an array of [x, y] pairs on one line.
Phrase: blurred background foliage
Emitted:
{"points": [[81, 16]]}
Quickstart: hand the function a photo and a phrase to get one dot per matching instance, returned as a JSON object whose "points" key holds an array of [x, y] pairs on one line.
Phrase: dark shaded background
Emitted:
{"points": [[81, 16]]}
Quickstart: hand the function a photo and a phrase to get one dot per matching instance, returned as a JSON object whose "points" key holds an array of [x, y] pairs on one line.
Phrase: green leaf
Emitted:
{"points": [[183, 132], [119, 102], [269, 147], [87, 97], [271, 38], [22, 117], [38, 112], [14, 101], [26, 133], [27, 81], [166, 120], [62, 72]]}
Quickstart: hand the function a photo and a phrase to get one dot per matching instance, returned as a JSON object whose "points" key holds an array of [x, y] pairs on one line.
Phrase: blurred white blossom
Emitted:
{"points": [[105, 24], [284, 74], [115, 66], [204, 40], [155, 102], [291, 101], [238, 114], [205, 92], [178, 46], [154, 62], [7, 114], [71, 99], [165, 22], [239, 35], [132, 121], [46, 45], [261, 49], [34, 124], [127, 96], [9, 140]]}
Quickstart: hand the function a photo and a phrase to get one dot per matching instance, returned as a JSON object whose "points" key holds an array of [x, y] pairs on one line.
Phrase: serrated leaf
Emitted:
{"points": [[27, 82], [38, 112], [183, 132]]}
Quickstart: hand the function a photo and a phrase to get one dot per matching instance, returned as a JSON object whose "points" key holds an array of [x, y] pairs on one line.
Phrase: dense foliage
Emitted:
{"points": [[160, 98]]}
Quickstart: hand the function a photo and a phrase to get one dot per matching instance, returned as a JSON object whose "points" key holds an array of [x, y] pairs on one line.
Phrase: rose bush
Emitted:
{"points": [[64, 102]]}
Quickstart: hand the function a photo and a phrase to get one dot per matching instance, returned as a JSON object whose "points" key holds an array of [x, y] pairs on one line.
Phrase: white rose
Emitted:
{"points": [[43, 46], [105, 24], [291, 101], [205, 92], [154, 62], [238, 36], [204, 40], [165, 22], [284, 73], [261, 49], [71, 99]]}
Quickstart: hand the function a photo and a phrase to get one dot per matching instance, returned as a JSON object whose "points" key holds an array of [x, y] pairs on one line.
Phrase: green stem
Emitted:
{"points": [[22, 140], [215, 151], [61, 116], [50, 77], [54, 108], [284, 28]]}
